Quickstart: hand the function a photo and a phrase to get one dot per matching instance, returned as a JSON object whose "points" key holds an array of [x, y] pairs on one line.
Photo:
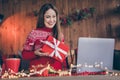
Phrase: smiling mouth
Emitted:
{"points": [[51, 23]]}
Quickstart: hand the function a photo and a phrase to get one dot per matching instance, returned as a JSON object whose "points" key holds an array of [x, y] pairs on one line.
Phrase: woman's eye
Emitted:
{"points": [[54, 16], [47, 16], [50, 16]]}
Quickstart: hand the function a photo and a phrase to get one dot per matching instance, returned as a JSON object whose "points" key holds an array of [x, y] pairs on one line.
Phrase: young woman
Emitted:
{"points": [[47, 24]]}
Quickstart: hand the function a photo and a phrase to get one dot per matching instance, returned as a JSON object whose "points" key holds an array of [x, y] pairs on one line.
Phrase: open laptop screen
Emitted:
{"points": [[95, 50]]}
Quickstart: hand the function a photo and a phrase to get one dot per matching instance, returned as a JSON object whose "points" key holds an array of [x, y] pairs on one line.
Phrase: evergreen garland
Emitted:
{"points": [[77, 16]]}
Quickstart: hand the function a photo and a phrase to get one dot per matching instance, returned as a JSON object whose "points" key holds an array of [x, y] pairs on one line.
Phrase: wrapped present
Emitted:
{"points": [[55, 48]]}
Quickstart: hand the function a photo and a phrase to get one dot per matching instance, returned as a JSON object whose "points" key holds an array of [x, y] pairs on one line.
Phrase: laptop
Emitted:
{"points": [[94, 52]]}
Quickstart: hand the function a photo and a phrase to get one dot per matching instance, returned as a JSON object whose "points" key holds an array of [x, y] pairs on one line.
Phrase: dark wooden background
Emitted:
{"points": [[19, 20]]}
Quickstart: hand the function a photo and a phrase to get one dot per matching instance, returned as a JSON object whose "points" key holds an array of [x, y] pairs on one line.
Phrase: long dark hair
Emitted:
{"points": [[40, 22]]}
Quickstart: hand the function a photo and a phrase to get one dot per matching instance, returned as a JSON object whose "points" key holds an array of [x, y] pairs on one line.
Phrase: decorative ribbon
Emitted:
{"points": [[56, 48]]}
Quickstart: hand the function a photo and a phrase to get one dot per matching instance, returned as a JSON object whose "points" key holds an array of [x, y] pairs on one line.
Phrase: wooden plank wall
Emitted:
{"points": [[19, 20]]}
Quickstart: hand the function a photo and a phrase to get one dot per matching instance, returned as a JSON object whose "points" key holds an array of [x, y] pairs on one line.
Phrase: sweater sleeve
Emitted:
{"points": [[28, 55], [28, 49]]}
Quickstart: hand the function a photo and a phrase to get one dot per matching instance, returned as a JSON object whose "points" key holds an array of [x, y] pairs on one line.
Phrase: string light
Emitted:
{"points": [[38, 70]]}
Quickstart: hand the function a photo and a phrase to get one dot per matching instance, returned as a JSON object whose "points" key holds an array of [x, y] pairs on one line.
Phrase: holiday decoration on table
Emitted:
{"points": [[47, 70], [56, 49], [36, 70]]}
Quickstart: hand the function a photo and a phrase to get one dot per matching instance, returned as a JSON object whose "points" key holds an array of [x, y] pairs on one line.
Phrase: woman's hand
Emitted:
{"points": [[40, 53]]}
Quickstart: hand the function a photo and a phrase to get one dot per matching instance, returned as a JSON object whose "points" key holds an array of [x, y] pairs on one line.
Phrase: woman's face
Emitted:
{"points": [[50, 18]]}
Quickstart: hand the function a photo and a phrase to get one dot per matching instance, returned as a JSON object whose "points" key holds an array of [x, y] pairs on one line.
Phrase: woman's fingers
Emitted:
{"points": [[40, 53]]}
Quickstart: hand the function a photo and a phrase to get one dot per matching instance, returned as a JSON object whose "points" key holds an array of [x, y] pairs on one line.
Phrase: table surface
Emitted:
{"points": [[75, 77], [85, 77]]}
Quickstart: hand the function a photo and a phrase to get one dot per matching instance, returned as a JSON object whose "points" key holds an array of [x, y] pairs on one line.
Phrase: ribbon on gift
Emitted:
{"points": [[56, 48]]}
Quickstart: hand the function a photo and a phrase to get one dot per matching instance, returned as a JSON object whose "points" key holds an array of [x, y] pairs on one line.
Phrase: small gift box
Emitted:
{"points": [[55, 48]]}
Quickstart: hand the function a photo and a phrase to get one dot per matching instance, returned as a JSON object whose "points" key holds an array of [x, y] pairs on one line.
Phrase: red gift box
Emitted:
{"points": [[55, 48]]}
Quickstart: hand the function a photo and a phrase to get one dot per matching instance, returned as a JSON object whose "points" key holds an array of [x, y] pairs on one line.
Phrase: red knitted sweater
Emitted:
{"points": [[33, 42]]}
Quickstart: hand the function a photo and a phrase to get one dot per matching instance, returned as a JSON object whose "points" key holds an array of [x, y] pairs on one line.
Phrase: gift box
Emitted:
{"points": [[56, 49]]}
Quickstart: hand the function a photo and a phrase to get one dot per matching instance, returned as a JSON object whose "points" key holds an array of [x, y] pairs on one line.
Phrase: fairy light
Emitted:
{"points": [[9, 74], [86, 65], [96, 65]]}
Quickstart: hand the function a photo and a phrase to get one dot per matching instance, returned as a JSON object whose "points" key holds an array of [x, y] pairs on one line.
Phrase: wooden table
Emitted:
{"points": [[86, 77], [109, 76]]}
